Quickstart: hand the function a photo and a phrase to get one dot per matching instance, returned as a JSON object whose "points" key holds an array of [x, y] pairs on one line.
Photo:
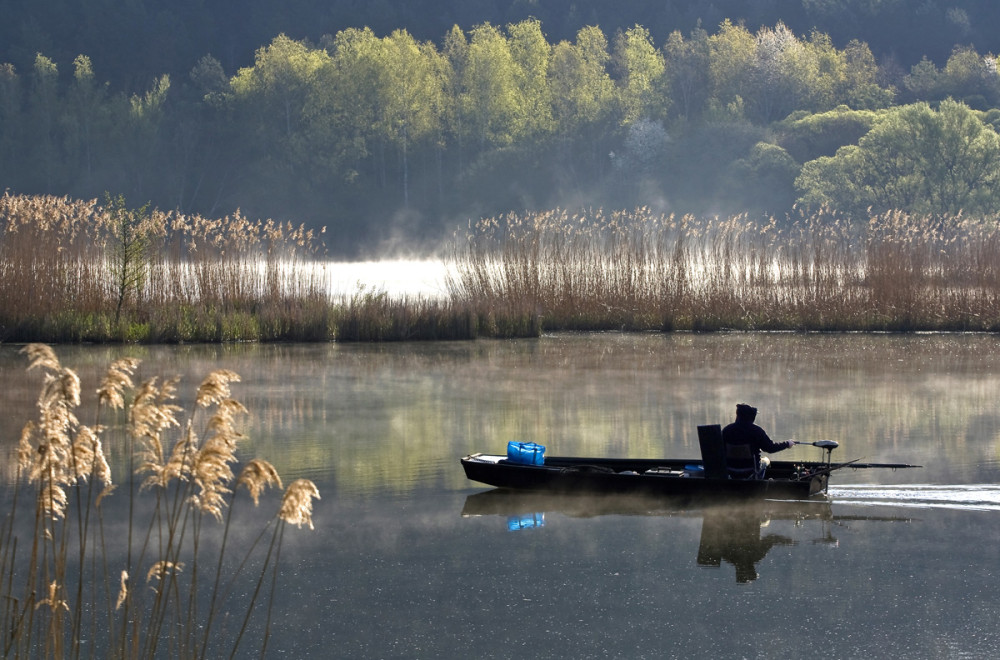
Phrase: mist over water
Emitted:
{"points": [[425, 278], [409, 559]]}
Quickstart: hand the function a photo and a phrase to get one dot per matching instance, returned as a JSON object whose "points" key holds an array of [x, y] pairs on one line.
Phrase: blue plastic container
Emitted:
{"points": [[525, 453]]}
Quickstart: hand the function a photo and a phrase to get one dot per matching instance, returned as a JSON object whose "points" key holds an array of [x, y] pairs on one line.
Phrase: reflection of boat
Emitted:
{"points": [[504, 502], [730, 532], [702, 478]]}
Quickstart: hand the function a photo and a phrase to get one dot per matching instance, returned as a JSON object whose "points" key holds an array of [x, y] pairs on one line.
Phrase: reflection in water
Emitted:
{"points": [[526, 521], [395, 417], [734, 535], [730, 533], [393, 571]]}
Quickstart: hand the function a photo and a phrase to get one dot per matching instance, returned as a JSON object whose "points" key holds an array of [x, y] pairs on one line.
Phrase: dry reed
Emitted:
{"points": [[57, 568], [74, 271], [190, 278], [642, 271]]}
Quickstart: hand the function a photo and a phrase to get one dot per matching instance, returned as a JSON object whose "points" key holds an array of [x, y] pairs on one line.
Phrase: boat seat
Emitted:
{"points": [[713, 451]]}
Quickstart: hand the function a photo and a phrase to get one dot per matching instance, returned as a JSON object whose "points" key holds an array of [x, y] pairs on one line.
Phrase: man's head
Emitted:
{"points": [[746, 412]]}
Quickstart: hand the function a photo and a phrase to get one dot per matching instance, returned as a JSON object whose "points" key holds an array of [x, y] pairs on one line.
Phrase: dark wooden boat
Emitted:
{"points": [[673, 477], [701, 478]]}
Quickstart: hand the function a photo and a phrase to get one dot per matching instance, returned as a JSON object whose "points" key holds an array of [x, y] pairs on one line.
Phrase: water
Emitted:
{"points": [[409, 559]]}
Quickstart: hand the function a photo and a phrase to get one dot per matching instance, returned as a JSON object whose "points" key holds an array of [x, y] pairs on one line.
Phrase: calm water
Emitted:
{"points": [[409, 559]]}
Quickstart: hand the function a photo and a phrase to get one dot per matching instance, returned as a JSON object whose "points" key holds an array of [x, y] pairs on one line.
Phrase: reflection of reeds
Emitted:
{"points": [[642, 270], [68, 576]]}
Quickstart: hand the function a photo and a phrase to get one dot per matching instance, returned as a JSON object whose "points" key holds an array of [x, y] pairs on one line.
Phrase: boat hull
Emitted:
{"points": [[666, 477]]}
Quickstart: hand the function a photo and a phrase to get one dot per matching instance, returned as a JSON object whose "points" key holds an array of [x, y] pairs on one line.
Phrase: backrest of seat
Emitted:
{"points": [[713, 453]]}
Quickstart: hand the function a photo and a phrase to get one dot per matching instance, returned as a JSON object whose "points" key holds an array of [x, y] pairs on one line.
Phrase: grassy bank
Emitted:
{"points": [[76, 271]]}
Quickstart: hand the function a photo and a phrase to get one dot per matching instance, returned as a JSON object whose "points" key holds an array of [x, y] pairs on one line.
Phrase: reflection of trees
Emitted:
{"points": [[399, 416]]}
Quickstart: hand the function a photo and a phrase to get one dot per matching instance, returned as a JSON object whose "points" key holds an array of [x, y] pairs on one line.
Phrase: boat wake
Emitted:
{"points": [[971, 497]]}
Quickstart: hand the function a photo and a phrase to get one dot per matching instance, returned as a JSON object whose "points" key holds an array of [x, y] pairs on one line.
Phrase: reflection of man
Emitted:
{"points": [[734, 536], [744, 441]]}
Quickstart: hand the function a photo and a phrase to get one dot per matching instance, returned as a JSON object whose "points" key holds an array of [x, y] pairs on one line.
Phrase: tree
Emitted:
{"points": [[86, 113], [411, 90], [687, 64], [130, 248], [276, 87], [581, 89], [861, 89], [641, 82], [43, 112], [10, 121], [914, 159], [531, 54], [732, 52], [490, 103]]}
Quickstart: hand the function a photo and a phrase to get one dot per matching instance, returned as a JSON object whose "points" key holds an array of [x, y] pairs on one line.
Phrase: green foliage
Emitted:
{"points": [[914, 159], [130, 249], [764, 179], [395, 135], [641, 68], [809, 136]]}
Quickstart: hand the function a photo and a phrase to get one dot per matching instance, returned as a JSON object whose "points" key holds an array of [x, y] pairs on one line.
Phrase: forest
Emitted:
{"points": [[392, 124]]}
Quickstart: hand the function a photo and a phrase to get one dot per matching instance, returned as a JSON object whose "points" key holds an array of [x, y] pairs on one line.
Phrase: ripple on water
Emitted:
{"points": [[970, 497]]}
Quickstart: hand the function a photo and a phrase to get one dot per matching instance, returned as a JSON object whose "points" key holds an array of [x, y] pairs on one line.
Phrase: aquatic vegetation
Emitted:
{"points": [[641, 270], [66, 276], [70, 565]]}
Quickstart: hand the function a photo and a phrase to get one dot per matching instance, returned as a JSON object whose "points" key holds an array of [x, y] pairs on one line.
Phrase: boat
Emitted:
{"points": [[701, 478]]}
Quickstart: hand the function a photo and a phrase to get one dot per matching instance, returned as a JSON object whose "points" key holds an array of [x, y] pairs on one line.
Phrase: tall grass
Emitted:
{"points": [[78, 578], [62, 267], [641, 270], [74, 271], [82, 271]]}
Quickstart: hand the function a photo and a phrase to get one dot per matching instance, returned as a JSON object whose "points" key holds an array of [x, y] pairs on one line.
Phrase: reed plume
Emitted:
{"points": [[296, 505], [598, 270], [62, 460]]}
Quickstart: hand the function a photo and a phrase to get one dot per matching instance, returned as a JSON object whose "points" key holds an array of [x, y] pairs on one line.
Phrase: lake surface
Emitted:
{"points": [[409, 559]]}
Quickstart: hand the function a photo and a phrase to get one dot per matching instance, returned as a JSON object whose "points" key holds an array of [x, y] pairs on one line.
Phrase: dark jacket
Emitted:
{"points": [[744, 441]]}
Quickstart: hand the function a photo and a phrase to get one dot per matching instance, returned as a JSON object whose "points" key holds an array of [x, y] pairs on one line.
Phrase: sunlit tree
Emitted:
{"points": [[531, 54], [87, 114], [732, 50], [914, 159], [490, 102], [43, 119], [641, 76], [411, 90]]}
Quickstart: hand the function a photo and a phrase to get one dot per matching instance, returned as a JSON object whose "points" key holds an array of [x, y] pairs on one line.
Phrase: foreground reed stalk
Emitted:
{"points": [[69, 590], [643, 271]]}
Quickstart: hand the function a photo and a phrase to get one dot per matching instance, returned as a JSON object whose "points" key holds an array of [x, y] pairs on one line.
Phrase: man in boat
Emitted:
{"points": [[744, 440]]}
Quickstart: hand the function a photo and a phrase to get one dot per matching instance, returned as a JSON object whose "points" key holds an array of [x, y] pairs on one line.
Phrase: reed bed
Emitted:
{"points": [[83, 576], [83, 271], [645, 271], [74, 270]]}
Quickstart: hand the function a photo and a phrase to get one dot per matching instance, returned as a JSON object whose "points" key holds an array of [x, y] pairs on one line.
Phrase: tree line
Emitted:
{"points": [[393, 137]]}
